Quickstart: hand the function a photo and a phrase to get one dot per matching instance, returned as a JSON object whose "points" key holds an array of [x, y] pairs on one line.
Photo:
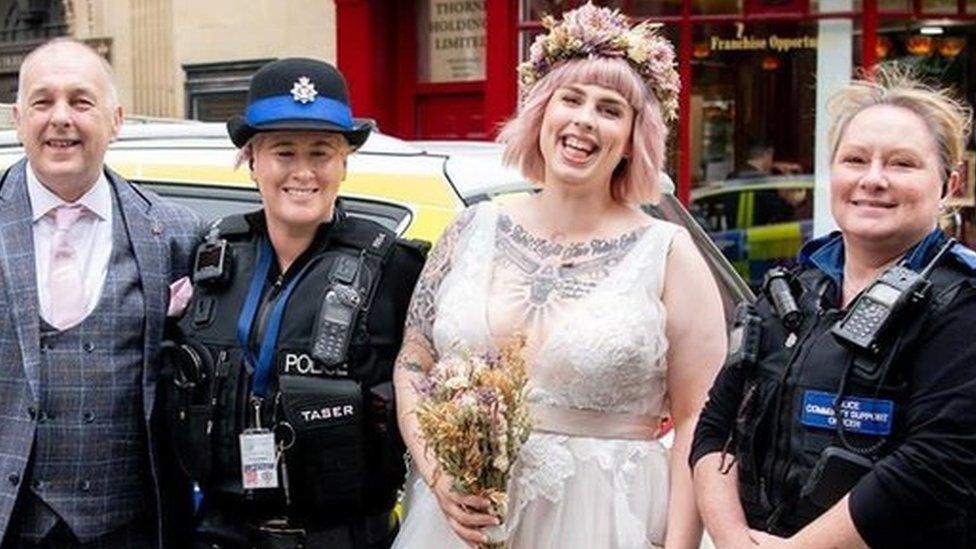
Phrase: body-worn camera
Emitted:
{"points": [[777, 286], [744, 338], [212, 265]]}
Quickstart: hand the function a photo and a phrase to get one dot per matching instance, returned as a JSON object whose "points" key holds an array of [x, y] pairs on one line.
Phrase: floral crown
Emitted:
{"points": [[590, 32]]}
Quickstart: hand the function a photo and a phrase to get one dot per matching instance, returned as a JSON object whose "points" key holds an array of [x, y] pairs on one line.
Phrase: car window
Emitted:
{"points": [[783, 205], [214, 202], [718, 212]]}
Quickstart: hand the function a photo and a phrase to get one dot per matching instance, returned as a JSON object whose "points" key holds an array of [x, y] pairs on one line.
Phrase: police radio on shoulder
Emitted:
{"points": [[881, 304], [337, 316]]}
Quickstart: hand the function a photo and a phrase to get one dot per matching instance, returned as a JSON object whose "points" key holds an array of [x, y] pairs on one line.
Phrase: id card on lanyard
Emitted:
{"points": [[258, 459], [259, 454]]}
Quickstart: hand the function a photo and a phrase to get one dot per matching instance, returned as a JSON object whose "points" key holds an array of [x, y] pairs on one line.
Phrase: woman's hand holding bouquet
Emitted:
{"points": [[474, 418]]}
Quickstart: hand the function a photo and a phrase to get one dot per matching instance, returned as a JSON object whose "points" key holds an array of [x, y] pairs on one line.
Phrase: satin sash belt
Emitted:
{"points": [[580, 422]]}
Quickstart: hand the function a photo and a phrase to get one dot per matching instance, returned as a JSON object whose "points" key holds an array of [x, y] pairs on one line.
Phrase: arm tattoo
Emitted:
{"points": [[411, 366], [420, 315]]}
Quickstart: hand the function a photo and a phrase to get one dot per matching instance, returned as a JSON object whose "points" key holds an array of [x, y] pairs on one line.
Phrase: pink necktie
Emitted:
{"points": [[65, 288]]}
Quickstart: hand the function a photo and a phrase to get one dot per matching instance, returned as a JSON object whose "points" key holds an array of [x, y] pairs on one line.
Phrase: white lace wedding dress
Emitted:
{"points": [[591, 475]]}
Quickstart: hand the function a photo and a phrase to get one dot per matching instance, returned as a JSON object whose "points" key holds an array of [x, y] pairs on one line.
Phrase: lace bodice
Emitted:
{"points": [[602, 350], [594, 322]]}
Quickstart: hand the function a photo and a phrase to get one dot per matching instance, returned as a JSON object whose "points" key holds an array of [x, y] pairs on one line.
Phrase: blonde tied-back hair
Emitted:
{"points": [[948, 119], [637, 178], [245, 155]]}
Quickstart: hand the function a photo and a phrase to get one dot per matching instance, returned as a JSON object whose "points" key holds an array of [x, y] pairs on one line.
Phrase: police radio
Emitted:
{"points": [[879, 306], [337, 316]]}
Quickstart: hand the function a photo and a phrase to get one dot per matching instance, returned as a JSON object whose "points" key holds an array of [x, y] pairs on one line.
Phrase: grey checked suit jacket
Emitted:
{"points": [[163, 236]]}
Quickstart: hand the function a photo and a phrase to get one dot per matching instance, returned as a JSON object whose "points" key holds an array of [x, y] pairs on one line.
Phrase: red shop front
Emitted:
{"points": [[445, 69]]}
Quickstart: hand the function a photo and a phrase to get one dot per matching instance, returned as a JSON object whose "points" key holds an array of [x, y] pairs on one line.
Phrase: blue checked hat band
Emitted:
{"points": [[285, 107]]}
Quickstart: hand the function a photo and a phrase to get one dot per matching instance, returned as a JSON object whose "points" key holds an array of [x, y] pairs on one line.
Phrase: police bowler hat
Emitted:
{"points": [[298, 94]]}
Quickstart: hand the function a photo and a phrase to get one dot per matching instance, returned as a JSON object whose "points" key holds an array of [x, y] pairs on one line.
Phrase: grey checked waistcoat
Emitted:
{"points": [[90, 460]]}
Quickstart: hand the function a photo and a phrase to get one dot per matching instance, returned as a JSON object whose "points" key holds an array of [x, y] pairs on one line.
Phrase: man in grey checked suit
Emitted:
{"points": [[79, 463]]}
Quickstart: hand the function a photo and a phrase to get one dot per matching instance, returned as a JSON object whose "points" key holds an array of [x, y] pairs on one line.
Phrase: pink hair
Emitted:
{"points": [[635, 180]]}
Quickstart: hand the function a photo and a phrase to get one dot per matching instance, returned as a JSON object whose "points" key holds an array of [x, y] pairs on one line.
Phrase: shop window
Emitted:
{"points": [[534, 10], [939, 6], [941, 55], [651, 8], [745, 77], [894, 5], [704, 7], [752, 118]]}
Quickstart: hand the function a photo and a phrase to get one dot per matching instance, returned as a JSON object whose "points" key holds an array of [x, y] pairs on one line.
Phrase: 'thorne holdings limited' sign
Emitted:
{"points": [[453, 35]]}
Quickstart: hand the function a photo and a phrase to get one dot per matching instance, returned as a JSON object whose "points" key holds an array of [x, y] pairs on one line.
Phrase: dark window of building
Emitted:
{"points": [[745, 78], [217, 91], [24, 24]]}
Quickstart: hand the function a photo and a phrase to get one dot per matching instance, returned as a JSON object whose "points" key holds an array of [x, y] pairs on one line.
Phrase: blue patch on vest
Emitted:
{"points": [[865, 416]]}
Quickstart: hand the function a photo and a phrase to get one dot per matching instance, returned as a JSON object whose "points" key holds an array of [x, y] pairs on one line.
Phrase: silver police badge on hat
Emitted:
{"points": [[304, 90]]}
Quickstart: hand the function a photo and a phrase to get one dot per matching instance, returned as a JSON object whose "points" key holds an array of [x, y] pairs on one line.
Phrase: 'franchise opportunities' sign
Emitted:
{"points": [[779, 44], [455, 40]]}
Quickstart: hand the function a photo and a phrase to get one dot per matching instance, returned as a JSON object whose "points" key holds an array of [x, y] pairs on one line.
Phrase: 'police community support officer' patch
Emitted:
{"points": [[865, 416]]}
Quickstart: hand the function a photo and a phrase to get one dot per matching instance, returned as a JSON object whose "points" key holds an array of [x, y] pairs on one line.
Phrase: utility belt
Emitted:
{"points": [[228, 530], [329, 444], [373, 531]]}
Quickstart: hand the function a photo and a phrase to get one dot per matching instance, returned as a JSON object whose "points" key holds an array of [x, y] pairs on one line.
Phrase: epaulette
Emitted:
{"points": [[231, 226], [964, 257], [363, 234], [419, 247]]}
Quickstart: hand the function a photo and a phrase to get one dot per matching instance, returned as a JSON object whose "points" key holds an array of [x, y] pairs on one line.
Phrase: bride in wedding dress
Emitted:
{"points": [[623, 321]]}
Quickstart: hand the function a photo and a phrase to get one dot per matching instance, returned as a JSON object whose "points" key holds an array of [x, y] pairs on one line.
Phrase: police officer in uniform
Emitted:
{"points": [[846, 412], [280, 400]]}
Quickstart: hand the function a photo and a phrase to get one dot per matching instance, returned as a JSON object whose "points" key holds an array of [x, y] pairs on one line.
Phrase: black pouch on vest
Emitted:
{"points": [[834, 475], [327, 463], [188, 370]]}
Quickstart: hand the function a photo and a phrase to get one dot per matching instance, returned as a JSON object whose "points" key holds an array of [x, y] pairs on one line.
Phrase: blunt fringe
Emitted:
{"points": [[635, 180]]}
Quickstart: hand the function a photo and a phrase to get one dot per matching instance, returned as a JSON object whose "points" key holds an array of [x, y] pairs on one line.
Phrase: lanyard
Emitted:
{"points": [[262, 364]]}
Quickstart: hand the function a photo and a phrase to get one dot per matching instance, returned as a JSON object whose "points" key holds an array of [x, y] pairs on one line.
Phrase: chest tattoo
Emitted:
{"points": [[540, 274]]}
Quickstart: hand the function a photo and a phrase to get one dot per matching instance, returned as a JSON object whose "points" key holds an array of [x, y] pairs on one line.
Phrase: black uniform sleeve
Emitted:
{"points": [[924, 492], [404, 270], [718, 417]]}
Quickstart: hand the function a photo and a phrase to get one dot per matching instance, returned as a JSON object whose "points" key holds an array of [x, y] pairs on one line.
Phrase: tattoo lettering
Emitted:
{"points": [[540, 275], [545, 249]]}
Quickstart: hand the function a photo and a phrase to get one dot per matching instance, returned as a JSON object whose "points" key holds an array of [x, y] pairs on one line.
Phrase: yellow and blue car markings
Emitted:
{"points": [[754, 249]]}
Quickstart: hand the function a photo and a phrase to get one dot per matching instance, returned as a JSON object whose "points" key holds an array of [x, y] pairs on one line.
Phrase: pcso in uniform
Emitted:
{"points": [[845, 415], [281, 399]]}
